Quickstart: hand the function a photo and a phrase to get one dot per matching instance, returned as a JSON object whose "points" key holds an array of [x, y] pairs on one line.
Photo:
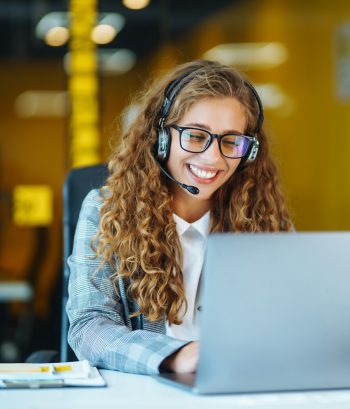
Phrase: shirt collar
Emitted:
{"points": [[201, 225]]}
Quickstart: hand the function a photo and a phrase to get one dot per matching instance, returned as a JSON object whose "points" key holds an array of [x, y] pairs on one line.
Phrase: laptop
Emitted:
{"points": [[276, 314]]}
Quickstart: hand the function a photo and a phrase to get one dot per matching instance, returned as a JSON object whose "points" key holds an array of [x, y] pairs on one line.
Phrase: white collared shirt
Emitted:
{"points": [[193, 238]]}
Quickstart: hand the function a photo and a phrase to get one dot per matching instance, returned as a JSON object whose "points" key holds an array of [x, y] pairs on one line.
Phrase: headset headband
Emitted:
{"points": [[175, 87], [260, 119], [171, 92]]}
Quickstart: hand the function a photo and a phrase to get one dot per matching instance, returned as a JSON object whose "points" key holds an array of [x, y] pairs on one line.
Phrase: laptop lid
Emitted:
{"points": [[276, 313]]}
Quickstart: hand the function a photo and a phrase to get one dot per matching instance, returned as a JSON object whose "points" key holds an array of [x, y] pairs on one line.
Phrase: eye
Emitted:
{"points": [[232, 140], [195, 135]]}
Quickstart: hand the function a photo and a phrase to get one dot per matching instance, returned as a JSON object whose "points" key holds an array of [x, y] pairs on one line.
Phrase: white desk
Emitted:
{"points": [[126, 391]]}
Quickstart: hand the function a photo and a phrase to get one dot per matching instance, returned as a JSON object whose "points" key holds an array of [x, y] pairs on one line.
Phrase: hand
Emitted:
{"points": [[185, 360]]}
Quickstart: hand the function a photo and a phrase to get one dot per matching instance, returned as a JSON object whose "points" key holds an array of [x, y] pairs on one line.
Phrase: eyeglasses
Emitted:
{"points": [[196, 140]]}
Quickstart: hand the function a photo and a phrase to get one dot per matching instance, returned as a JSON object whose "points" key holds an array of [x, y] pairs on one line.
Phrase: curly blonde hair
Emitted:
{"points": [[137, 233]]}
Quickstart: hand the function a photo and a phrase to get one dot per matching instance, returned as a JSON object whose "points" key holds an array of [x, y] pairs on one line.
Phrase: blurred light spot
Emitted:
{"points": [[103, 34], [57, 36], [109, 25], [9, 352], [116, 62], [249, 55], [136, 4], [53, 28], [41, 104], [342, 62], [15, 291], [273, 97], [111, 61]]}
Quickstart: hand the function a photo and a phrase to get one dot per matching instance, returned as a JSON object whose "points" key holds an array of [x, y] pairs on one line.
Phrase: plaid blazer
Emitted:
{"points": [[101, 330]]}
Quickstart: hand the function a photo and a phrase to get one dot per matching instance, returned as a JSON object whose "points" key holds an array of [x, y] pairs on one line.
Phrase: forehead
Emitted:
{"points": [[219, 113]]}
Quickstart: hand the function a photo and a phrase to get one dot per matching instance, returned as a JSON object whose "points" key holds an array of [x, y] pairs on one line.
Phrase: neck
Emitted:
{"points": [[187, 207]]}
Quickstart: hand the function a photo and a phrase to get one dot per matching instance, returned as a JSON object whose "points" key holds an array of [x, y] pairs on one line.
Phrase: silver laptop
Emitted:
{"points": [[276, 314]]}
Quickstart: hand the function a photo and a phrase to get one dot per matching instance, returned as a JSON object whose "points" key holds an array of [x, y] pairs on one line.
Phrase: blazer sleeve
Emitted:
{"points": [[99, 330]]}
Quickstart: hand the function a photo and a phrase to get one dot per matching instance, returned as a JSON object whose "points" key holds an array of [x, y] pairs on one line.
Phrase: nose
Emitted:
{"points": [[212, 155]]}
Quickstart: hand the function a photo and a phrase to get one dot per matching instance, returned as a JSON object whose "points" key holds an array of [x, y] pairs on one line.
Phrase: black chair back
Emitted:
{"points": [[77, 185]]}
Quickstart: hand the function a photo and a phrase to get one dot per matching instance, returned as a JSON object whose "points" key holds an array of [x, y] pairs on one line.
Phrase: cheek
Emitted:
{"points": [[232, 166], [173, 155], [177, 156]]}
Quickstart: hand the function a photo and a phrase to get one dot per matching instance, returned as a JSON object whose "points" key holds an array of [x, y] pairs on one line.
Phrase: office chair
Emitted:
{"points": [[77, 185]]}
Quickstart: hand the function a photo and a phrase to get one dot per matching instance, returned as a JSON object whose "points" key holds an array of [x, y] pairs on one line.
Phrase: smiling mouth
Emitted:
{"points": [[201, 173]]}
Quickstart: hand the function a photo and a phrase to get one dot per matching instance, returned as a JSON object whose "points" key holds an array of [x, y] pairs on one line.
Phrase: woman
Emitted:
{"points": [[194, 161]]}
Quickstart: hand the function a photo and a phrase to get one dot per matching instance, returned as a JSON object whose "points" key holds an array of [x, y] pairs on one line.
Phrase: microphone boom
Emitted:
{"points": [[191, 189]]}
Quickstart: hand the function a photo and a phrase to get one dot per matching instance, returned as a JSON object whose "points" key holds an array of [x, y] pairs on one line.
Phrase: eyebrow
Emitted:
{"points": [[207, 128]]}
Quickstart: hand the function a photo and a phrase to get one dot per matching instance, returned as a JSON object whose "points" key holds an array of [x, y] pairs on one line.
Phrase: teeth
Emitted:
{"points": [[202, 173]]}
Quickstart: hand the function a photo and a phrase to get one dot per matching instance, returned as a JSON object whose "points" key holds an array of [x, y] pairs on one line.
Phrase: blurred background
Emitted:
{"points": [[68, 70]]}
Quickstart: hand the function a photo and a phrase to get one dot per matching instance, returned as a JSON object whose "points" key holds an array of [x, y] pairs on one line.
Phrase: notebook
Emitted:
{"points": [[276, 314], [49, 375]]}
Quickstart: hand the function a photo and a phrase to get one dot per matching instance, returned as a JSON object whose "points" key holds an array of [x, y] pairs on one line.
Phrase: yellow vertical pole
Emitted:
{"points": [[83, 85]]}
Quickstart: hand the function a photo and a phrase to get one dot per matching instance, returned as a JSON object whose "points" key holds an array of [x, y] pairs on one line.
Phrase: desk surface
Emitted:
{"points": [[126, 391]]}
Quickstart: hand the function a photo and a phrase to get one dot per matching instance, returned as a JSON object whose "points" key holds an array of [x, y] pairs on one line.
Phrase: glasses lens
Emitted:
{"points": [[234, 146], [194, 140]]}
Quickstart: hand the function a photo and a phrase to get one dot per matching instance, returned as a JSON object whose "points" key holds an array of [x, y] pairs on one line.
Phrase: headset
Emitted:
{"points": [[163, 143]]}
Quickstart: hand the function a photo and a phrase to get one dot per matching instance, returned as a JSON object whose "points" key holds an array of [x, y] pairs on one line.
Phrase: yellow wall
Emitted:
{"points": [[313, 143]]}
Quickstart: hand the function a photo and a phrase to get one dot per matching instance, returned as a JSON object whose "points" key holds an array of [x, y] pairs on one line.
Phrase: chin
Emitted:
{"points": [[203, 194]]}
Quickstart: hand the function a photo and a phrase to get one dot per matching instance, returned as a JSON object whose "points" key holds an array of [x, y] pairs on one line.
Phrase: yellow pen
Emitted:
{"points": [[62, 368]]}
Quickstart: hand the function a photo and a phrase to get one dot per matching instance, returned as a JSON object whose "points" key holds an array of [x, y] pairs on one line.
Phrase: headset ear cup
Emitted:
{"points": [[163, 144], [253, 151], [251, 154]]}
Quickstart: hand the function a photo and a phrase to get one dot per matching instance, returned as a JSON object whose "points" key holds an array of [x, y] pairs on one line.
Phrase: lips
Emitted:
{"points": [[202, 175]]}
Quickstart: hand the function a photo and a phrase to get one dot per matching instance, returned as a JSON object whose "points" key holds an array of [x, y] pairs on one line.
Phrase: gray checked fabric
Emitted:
{"points": [[101, 330]]}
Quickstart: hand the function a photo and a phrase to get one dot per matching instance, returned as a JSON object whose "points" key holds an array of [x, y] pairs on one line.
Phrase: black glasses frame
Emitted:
{"points": [[212, 136]]}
